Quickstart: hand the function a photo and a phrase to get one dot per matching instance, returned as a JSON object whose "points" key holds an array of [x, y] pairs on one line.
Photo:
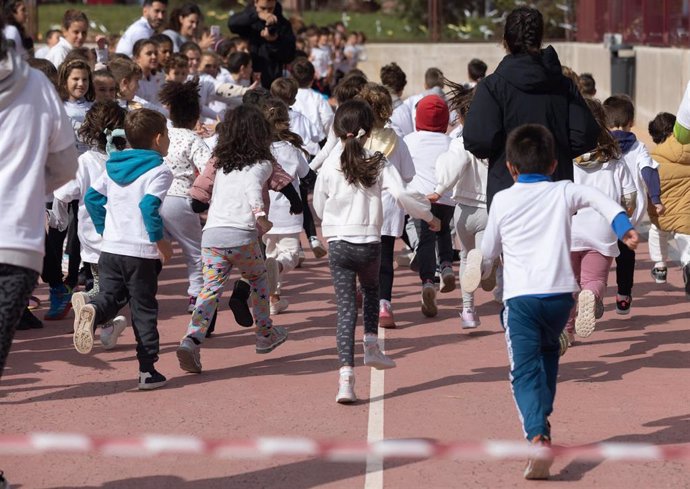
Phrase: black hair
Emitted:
{"points": [[184, 10], [459, 97], [182, 100], [3, 41], [237, 60], [244, 139], [530, 148], [161, 39], [71, 16], [524, 31], [476, 69], [101, 116], [255, 96], [189, 46], [358, 168], [148, 3], [661, 127], [9, 10], [620, 110], [393, 77], [303, 72]]}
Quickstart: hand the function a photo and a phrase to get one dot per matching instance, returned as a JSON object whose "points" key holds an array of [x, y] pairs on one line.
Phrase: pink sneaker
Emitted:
{"points": [[386, 319], [469, 318]]}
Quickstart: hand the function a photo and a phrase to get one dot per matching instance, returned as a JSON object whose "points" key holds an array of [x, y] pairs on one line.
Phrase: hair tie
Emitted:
{"points": [[109, 136], [349, 135]]}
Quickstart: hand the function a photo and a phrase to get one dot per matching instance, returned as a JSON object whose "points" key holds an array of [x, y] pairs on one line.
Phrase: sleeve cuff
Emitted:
{"points": [[621, 225]]}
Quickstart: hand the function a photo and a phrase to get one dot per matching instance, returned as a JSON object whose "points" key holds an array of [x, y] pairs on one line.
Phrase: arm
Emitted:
{"points": [[58, 215], [95, 205], [325, 151], [283, 48], [483, 130], [200, 154], [326, 115], [258, 174], [150, 204], [491, 246], [628, 189], [414, 203], [296, 206], [407, 171], [61, 162], [651, 179], [320, 195], [449, 168], [245, 23], [202, 188]]}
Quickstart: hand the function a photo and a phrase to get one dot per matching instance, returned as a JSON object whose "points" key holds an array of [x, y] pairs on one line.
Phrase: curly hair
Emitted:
{"points": [[182, 100], [661, 127], [380, 101], [607, 147], [101, 116], [359, 169], [244, 139], [63, 75], [276, 113], [393, 77], [524, 31]]}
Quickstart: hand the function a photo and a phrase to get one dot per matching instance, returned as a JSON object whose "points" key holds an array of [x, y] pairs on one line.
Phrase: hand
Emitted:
{"points": [[257, 81], [102, 42], [660, 209], [264, 224], [433, 198], [268, 17], [434, 225], [165, 250], [631, 239], [207, 41], [268, 36]]}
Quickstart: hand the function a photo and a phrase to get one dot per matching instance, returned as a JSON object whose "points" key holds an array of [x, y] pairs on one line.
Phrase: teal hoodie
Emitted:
{"points": [[123, 168]]}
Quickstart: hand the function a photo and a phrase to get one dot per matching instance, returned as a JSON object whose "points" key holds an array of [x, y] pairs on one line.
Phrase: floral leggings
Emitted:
{"points": [[217, 263]]}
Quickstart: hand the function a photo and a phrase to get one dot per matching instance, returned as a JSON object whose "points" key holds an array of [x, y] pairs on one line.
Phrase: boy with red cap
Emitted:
{"points": [[426, 144]]}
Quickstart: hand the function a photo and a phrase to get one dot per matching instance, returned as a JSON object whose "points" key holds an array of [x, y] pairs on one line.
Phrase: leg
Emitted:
{"points": [[576, 262], [142, 284], [96, 281], [467, 242], [683, 242], [625, 270], [308, 221], [249, 261], [344, 284], [658, 246], [216, 270], [386, 272], [73, 246], [113, 293], [368, 263], [426, 251], [16, 285], [443, 237], [594, 272]]}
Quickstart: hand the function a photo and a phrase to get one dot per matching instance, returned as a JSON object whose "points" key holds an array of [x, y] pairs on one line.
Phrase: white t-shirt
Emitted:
{"points": [[59, 52], [91, 168], [322, 60], [140, 29], [401, 120], [314, 107], [590, 230], [310, 133], [37, 118], [76, 111], [530, 224], [295, 164], [393, 214], [149, 87], [425, 148], [187, 158]]}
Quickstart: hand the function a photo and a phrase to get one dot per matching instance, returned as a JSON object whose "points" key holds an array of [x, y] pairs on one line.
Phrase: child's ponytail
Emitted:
{"points": [[353, 121], [276, 113]]}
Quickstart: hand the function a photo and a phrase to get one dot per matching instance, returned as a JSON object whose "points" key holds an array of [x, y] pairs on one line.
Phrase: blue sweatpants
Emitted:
{"points": [[533, 325]]}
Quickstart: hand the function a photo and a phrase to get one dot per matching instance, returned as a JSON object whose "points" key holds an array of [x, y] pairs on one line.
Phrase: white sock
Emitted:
{"points": [[346, 370], [384, 302]]}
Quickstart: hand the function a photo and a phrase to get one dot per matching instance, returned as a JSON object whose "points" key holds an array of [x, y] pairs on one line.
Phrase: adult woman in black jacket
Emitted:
{"points": [[527, 87]]}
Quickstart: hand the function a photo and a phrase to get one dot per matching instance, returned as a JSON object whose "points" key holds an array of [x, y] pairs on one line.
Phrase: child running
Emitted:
{"points": [[187, 157], [529, 224], [230, 236], [347, 197], [103, 130], [124, 205]]}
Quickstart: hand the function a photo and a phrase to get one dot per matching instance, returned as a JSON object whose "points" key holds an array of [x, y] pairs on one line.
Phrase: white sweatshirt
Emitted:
{"points": [[466, 174], [314, 107], [295, 164], [401, 120], [636, 159], [530, 224], [425, 148], [351, 211], [310, 133]]}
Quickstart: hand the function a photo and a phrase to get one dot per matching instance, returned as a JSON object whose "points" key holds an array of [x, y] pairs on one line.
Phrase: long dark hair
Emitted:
{"points": [[524, 31], [607, 147], [184, 10], [244, 139], [459, 97], [101, 116], [8, 11], [277, 115], [353, 118]]}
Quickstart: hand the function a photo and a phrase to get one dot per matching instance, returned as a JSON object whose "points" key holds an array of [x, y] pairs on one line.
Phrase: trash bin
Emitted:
{"points": [[622, 69]]}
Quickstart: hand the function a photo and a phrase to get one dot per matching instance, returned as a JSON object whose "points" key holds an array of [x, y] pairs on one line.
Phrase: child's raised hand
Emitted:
{"points": [[631, 239], [660, 209], [433, 198], [165, 250], [434, 225]]}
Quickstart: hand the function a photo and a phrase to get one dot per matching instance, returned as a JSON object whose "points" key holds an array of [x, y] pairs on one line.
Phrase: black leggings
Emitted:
{"points": [[52, 261], [308, 223], [386, 272], [625, 269], [16, 285], [348, 262]]}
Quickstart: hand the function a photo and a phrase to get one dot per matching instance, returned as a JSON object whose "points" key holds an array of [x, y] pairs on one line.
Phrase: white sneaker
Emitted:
{"points": [[585, 320], [272, 274], [79, 300], [472, 274], [278, 307], [346, 388], [188, 355], [375, 358], [83, 328], [469, 318], [114, 329]]}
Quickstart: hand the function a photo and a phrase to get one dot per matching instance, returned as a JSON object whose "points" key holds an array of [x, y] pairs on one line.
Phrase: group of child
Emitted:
{"points": [[150, 163]]}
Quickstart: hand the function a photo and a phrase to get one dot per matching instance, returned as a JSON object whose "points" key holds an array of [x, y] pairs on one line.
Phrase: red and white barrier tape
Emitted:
{"points": [[267, 447]]}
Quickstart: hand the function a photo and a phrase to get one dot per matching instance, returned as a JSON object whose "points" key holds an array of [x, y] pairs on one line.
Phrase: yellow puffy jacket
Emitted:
{"points": [[674, 173]]}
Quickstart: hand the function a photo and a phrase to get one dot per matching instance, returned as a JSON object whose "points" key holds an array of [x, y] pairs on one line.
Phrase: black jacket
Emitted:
{"points": [[528, 89], [268, 58]]}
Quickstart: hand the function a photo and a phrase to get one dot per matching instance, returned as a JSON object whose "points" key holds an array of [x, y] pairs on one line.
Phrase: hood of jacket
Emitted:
{"points": [[383, 140], [126, 166], [530, 73], [14, 74], [626, 140]]}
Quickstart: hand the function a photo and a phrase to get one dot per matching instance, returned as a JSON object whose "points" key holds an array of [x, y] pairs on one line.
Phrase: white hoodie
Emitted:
{"points": [[466, 174]]}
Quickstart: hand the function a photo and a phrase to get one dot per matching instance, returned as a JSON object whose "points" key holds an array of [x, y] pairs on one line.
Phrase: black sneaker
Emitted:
{"points": [[28, 321], [151, 380], [3, 482], [659, 274], [623, 303], [686, 278], [238, 304]]}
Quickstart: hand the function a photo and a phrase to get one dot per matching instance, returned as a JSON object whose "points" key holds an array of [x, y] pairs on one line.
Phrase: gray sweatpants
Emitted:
{"points": [[470, 223], [184, 226]]}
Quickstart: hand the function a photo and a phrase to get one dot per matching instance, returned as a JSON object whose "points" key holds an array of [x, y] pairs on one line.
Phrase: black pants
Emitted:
{"points": [[428, 240], [386, 270], [625, 269], [73, 247], [52, 261], [308, 223], [16, 285], [124, 279], [348, 262]]}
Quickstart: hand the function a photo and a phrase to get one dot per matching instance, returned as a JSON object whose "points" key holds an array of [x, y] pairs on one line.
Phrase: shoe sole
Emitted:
{"points": [[187, 363], [387, 323], [538, 469], [564, 343], [83, 330], [449, 284], [345, 399], [470, 324], [429, 307], [585, 321], [472, 275], [272, 275], [262, 351], [379, 366], [150, 387], [79, 300], [278, 310]]}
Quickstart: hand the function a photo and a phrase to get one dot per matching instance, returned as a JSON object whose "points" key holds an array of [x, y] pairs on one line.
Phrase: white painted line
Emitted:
{"points": [[374, 474]]}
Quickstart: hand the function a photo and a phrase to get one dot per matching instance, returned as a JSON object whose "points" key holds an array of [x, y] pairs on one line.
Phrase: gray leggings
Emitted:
{"points": [[470, 223], [348, 262]]}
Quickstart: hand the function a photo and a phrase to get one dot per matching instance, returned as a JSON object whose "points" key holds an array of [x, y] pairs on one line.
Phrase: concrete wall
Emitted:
{"points": [[661, 74]]}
